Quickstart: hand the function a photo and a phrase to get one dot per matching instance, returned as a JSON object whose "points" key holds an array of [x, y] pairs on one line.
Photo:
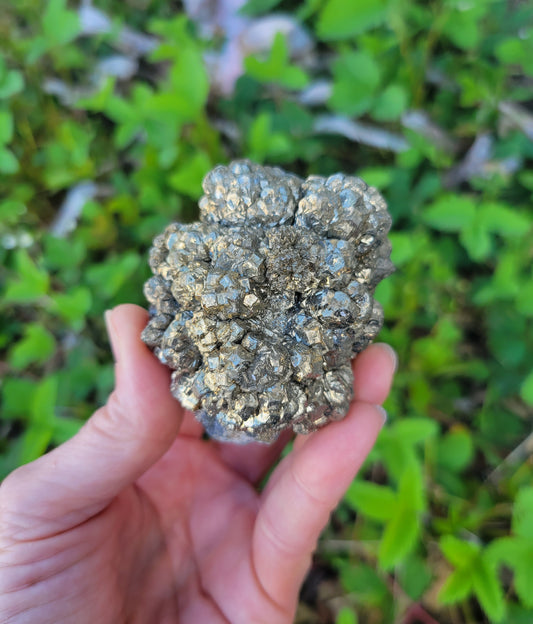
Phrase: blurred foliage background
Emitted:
{"points": [[110, 115]]}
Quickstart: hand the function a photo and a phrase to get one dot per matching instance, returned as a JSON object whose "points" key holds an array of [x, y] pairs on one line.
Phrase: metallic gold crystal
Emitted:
{"points": [[260, 306]]}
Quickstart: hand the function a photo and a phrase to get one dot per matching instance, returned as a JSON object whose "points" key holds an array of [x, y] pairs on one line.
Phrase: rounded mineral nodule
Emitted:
{"points": [[260, 306]]}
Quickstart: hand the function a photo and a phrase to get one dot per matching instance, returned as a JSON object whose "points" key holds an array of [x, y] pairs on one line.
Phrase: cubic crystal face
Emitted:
{"points": [[260, 306]]}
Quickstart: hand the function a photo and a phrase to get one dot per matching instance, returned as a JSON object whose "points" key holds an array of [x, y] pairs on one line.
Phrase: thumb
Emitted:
{"points": [[115, 446]]}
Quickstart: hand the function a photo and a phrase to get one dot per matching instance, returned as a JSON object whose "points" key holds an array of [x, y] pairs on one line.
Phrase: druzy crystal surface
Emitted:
{"points": [[260, 306]]}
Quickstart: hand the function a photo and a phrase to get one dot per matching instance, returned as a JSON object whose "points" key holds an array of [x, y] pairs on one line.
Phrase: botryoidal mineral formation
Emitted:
{"points": [[260, 306]]}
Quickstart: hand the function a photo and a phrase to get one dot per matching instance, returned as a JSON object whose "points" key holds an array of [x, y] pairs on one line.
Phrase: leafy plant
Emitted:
{"points": [[429, 102], [474, 573], [516, 550], [277, 68], [400, 510]]}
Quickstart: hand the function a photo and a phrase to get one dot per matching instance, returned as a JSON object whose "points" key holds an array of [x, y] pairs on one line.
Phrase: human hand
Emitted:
{"points": [[137, 519]]}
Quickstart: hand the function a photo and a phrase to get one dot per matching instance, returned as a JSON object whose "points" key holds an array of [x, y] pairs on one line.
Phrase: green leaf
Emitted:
{"points": [[451, 213], [67, 159], [518, 615], [30, 282], [35, 441], [397, 442], [72, 306], [341, 19], [504, 549], [10, 457], [63, 253], [8, 162], [458, 552], [60, 25], [411, 488], [456, 587], [399, 537], [356, 78], [11, 82], [396, 453], [516, 553], [346, 616], [523, 571], [35, 348], [264, 142], [523, 513], [503, 220], [526, 389], [109, 276], [463, 28], [477, 241], [363, 581], [44, 401], [524, 299], [507, 328], [414, 575], [375, 501], [6, 127], [276, 67], [17, 397], [99, 100], [390, 104], [380, 177], [455, 450], [403, 249], [402, 530], [188, 177], [39, 434], [415, 430], [517, 50], [11, 210], [189, 82], [487, 589]]}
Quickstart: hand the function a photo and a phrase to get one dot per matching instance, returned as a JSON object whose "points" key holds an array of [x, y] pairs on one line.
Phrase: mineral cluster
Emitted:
{"points": [[260, 306]]}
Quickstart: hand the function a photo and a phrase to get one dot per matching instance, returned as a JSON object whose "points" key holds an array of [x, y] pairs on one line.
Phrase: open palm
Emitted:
{"points": [[138, 519]]}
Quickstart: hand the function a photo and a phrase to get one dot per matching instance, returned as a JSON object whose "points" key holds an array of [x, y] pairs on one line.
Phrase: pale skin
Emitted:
{"points": [[137, 519]]}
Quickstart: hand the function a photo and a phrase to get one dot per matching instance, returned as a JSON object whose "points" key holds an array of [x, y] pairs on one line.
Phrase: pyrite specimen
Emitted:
{"points": [[260, 306]]}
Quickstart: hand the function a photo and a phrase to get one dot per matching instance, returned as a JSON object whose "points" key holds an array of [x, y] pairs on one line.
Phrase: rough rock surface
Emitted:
{"points": [[260, 306]]}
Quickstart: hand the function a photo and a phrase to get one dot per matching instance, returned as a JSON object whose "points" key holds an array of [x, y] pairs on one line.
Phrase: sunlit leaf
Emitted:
{"points": [[36, 347], [340, 19], [375, 501], [451, 213], [399, 536], [29, 283], [456, 587], [488, 590]]}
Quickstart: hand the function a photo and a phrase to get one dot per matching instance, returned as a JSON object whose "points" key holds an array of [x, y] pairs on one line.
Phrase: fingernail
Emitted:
{"points": [[112, 333], [392, 353], [383, 413]]}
